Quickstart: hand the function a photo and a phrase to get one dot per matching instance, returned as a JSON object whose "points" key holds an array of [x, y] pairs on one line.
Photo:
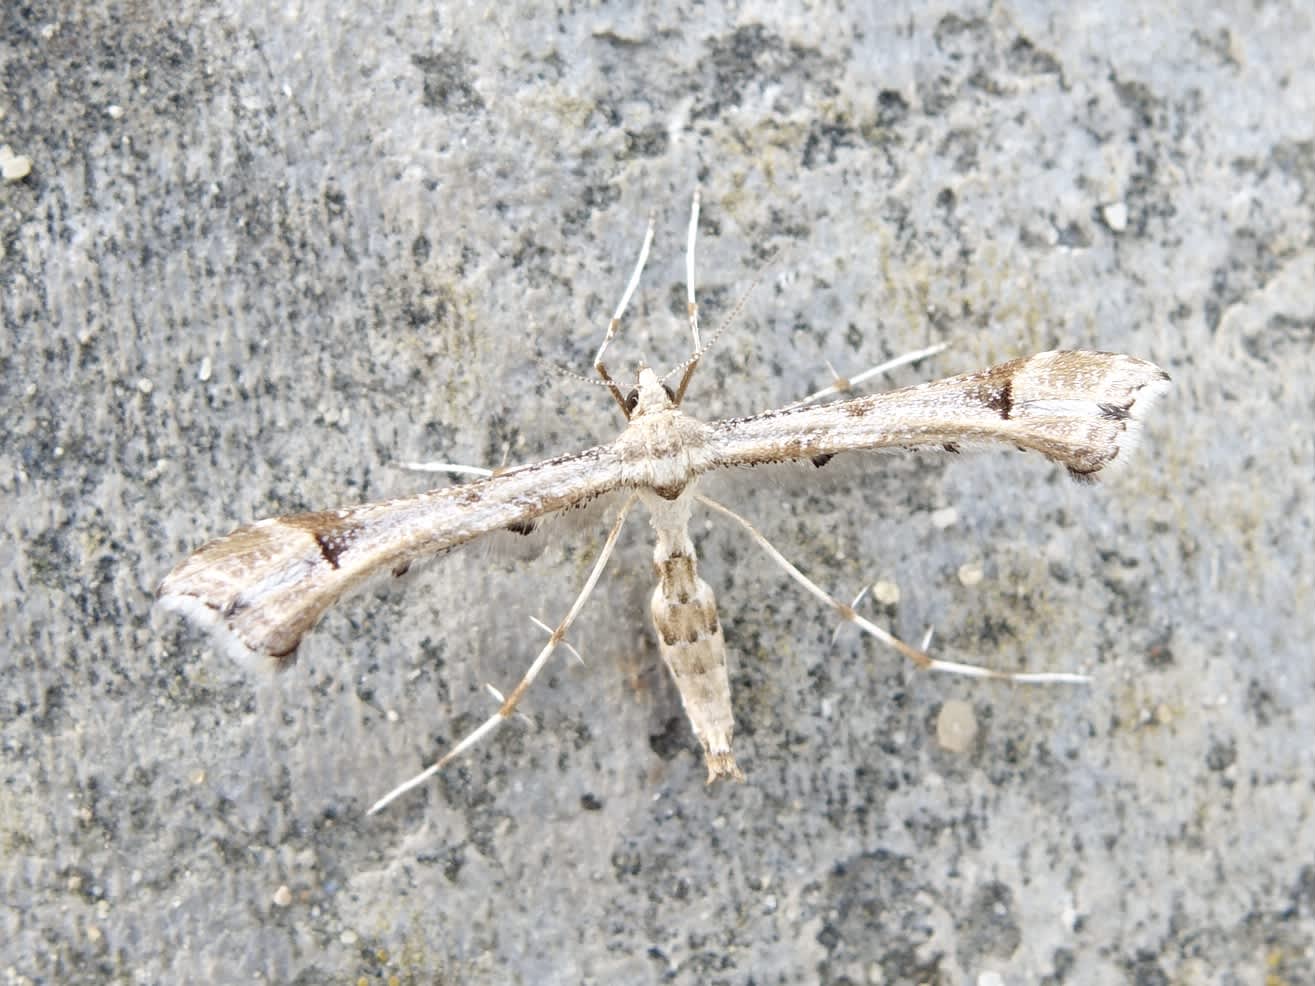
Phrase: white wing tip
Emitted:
{"points": [[209, 619], [1147, 397]]}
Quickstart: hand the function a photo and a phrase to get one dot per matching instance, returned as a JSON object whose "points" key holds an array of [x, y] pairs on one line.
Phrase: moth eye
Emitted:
{"points": [[632, 400], [671, 394]]}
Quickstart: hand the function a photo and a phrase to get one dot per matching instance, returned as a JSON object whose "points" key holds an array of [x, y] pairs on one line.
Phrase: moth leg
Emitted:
{"points": [[570, 649], [508, 707], [449, 468], [844, 385], [847, 612], [456, 468], [615, 323], [692, 306], [686, 369]]}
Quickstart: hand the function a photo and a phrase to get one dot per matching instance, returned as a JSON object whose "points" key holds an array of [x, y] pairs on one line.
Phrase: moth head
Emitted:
{"points": [[650, 394]]}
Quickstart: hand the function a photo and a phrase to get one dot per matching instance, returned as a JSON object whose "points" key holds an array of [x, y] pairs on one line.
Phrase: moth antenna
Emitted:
{"points": [[566, 372], [688, 367]]}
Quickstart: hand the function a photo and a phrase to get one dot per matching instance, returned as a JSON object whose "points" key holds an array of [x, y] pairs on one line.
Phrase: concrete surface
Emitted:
{"points": [[266, 251]]}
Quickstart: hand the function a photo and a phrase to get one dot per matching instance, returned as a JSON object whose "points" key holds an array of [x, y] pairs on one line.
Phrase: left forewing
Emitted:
{"points": [[263, 587], [1080, 409]]}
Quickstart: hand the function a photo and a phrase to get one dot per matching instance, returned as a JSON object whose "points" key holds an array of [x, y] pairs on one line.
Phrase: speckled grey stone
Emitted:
{"points": [[366, 221]]}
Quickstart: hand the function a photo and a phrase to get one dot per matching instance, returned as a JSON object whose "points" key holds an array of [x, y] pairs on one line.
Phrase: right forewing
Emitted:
{"points": [[1080, 409]]}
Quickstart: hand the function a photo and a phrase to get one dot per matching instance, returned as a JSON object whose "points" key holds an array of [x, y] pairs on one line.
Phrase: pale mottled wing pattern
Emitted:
{"points": [[1080, 409], [263, 587]]}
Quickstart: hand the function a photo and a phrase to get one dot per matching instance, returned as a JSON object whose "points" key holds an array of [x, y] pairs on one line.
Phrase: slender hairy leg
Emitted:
{"points": [[691, 306], [847, 612], [844, 385], [615, 323], [508, 707], [451, 468], [457, 468]]}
